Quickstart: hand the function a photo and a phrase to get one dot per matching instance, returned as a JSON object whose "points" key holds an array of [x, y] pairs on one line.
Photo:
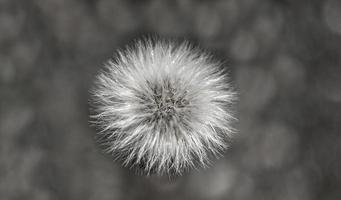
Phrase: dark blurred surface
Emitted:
{"points": [[284, 56]]}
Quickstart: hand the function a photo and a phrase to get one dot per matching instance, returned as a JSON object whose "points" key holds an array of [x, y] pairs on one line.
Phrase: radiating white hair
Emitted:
{"points": [[163, 106]]}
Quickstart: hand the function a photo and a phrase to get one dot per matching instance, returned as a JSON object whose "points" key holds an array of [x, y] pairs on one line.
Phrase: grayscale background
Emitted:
{"points": [[285, 60]]}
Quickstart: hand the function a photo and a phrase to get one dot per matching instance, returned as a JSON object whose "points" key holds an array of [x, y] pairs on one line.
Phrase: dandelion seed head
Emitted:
{"points": [[163, 106]]}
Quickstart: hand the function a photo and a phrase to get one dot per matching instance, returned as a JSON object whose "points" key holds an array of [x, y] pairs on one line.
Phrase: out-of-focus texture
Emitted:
{"points": [[285, 59]]}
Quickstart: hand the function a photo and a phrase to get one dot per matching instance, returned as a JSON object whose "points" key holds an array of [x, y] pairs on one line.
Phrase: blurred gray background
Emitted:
{"points": [[284, 57]]}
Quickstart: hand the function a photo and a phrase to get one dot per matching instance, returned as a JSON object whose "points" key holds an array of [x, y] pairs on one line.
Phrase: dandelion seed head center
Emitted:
{"points": [[165, 102]]}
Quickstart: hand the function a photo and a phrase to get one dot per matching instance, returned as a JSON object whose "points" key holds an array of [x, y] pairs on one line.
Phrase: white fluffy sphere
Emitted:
{"points": [[163, 106]]}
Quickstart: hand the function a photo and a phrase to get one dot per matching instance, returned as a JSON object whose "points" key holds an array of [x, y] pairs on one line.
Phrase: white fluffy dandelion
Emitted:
{"points": [[163, 106]]}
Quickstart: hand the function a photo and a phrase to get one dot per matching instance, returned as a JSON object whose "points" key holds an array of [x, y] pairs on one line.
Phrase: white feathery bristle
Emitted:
{"points": [[163, 106]]}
